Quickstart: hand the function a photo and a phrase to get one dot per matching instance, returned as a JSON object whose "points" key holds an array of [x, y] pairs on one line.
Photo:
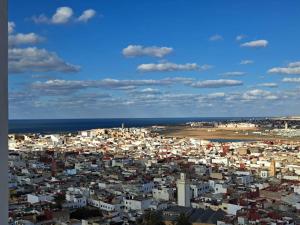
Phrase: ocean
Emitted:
{"points": [[73, 125]]}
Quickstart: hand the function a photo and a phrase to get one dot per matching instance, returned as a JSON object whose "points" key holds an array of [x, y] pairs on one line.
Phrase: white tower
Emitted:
{"points": [[286, 125], [183, 191]]}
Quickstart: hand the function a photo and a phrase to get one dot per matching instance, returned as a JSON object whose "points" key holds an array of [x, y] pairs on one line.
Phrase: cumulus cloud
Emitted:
{"points": [[255, 44], [292, 68], [246, 62], [291, 80], [11, 27], [139, 50], [216, 37], [24, 39], [258, 94], [169, 67], [33, 59], [215, 83], [294, 64], [234, 73], [269, 85], [87, 15], [64, 15], [285, 70], [21, 39]]}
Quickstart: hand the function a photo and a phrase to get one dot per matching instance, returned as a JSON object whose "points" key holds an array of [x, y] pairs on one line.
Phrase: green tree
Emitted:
{"points": [[85, 213], [59, 199], [183, 220], [151, 218]]}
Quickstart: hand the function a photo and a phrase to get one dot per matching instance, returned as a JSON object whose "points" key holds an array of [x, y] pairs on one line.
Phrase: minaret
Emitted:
{"points": [[272, 168], [286, 125], [183, 191]]}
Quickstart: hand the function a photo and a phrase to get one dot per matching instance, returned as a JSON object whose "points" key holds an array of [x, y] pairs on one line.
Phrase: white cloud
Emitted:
{"points": [[234, 73], [23, 39], [240, 37], [216, 95], [256, 44], [139, 50], [292, 68], [167, 67], [64, 15], [258, 94], [294, 64], [216, 37], [87, 15], [107, 83], [11, 27], [246, 62], [145, 91], [216, 83], [291, 80], [270, 85], [285, 70], [32, 59]]}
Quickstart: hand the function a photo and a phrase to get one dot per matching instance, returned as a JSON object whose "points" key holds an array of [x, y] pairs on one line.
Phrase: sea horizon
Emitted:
{"points": [[73, 125]]}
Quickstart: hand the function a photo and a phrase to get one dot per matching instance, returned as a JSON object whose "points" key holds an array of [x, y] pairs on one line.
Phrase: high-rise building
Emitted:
{"points": [[183, 191], [272, 168]]}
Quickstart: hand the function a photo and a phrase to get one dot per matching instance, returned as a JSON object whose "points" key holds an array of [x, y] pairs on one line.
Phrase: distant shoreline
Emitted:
{"points": [[75, 125]]}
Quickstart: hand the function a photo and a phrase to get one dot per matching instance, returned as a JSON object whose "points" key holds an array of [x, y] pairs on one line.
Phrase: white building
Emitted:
{"points": [[199, 189], [32, 198], [75, 201], [183, 191], [137, 204], [106, 206], [165, 194]]}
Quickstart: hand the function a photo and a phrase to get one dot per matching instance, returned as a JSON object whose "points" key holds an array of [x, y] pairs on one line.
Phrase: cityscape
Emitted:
{"points": [[128, 175], [161, 112]]}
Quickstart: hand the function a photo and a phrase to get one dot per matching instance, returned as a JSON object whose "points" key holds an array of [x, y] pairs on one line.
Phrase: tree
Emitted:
{"points": [[85, 213], [151, 218], [59, 199], [183, 220]]}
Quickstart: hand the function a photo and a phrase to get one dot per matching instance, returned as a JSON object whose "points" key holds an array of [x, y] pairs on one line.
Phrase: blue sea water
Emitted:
{"points": [[72, 125]]}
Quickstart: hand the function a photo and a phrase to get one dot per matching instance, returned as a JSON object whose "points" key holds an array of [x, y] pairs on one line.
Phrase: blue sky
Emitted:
{"points": [[171, 58]]}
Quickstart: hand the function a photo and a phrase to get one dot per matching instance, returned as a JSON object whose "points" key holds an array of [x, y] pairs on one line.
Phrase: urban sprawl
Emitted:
{"points": [[141, 176]]}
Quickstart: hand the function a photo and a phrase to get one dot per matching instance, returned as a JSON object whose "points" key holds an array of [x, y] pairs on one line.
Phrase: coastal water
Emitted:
{"points": [[72, 125]]}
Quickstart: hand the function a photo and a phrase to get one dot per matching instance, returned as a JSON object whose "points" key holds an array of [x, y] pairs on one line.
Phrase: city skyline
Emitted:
{"points": [[160, 59]]}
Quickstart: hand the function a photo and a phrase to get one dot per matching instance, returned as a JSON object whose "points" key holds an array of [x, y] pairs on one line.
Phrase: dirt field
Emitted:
{"points": [[216, 133]]}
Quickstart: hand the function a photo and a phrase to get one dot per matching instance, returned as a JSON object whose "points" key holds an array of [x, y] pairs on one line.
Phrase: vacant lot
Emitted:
{"points": [[217, 133]]}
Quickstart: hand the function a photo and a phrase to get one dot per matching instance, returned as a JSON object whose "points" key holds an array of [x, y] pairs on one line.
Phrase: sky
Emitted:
{"points": [[141, 59]]}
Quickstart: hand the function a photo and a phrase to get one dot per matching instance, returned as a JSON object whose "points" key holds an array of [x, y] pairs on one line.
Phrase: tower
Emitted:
{"points": [[272, 168], [286, 125], [183, 191]]}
